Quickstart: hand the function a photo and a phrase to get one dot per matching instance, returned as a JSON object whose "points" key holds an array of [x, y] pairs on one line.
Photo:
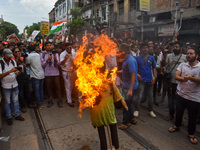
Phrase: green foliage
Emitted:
{"points": [[76, 12], [33, 27], [7, 28], [74, 25]]}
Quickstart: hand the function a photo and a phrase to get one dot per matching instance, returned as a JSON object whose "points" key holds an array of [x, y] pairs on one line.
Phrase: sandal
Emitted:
{"points": [[173, 129], [124, 126], [192, 139]]}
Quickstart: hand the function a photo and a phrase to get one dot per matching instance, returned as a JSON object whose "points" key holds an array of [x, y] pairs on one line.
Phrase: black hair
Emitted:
{"points": [[195, 49], [14, 49], [179, 43], [47, 43], [19, 44], [143, 45], [31, 48]]}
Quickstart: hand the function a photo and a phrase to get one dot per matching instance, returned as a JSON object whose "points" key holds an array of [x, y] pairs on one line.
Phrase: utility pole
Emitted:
{"points": [[142, 25]]}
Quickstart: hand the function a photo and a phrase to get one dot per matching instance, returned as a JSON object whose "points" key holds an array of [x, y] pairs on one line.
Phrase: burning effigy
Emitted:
{"points": [[97, 84]]}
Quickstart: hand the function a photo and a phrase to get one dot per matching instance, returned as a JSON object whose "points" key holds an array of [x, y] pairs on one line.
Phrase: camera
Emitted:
{"points": [[54, 51], [19, 68], [24, 55]]}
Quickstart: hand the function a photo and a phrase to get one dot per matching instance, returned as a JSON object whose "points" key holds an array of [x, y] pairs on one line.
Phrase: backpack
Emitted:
{"points": [[3, 65]]}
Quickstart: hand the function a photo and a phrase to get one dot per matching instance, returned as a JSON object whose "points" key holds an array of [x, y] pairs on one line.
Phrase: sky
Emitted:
{"points": [[25, 12]]}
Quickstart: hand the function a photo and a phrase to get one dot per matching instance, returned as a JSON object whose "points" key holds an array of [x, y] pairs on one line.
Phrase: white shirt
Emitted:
{"points": [[68, 66], [36, 70], [189, 90], [9, 81]]}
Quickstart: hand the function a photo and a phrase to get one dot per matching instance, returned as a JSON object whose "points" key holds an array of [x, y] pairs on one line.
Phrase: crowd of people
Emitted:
{"points": [[146, 70]]}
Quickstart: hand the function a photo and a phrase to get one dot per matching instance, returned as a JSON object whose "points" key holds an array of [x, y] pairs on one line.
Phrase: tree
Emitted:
{"points": [[76, 22], [7, 28], [33, 27]]}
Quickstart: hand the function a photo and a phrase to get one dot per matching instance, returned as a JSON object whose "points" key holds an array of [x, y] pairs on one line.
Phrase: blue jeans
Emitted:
{"points": [[37, 85], [127, 115], [10, 97]]}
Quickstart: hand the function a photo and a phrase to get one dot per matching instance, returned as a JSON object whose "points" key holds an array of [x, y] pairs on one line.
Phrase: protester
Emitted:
{"points": [[130, 84], [67, 67], [37, 75], [188, 92], [9, 85], [146, 77], [172, 62], [51, 62]]}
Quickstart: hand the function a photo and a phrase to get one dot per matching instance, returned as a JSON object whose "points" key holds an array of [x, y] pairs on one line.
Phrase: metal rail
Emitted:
{"points": [[43, 130]]}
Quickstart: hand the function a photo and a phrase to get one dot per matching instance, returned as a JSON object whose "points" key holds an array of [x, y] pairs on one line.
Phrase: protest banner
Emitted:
{"points": [[33, 35], [44, 28], [13, 38]]}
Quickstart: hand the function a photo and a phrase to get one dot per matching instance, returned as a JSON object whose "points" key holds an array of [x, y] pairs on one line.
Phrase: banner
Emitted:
{"points": [[144, 5], [13, 38], [33, 35], [44, 27]]}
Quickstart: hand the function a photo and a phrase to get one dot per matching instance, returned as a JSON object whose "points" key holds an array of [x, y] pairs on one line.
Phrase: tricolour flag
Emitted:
{"points": [[57, 26]]}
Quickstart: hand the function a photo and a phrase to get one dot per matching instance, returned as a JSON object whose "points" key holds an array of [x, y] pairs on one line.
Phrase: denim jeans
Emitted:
{"points": [[145, 88], [10, 97], [37, 85], [127, 115]]}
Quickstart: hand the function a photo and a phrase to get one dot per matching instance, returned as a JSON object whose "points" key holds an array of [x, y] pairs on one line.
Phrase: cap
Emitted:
{"points": [[124, 48], [8, 52]]}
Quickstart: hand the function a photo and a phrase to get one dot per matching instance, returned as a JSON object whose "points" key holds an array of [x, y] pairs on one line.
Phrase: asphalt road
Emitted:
{"points": [[63, 130]]}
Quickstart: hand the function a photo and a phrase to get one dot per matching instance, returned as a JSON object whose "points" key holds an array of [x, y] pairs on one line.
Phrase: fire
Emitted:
{"points": [[89, 63]]}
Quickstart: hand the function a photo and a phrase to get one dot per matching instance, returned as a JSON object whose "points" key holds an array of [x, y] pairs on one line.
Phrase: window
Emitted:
{"points": [[121, 7], [60, 10], [64, 7], [132, 5], [97, 13], [57, 12], [103, 13]]}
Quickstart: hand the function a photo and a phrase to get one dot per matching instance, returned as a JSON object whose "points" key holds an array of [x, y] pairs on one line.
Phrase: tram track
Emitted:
{"points": [[43, 130]]}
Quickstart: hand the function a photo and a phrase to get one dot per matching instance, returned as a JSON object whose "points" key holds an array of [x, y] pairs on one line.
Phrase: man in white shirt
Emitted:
{"points": [[67, 67], [188, 93], [9, 84]]}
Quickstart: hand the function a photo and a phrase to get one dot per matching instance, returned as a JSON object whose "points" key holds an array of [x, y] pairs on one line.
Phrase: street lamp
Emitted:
{"points": [[176, 29]]}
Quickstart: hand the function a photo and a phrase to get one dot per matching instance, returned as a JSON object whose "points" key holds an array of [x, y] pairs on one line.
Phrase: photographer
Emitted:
{"points": [[50, 63], [23, 80]]}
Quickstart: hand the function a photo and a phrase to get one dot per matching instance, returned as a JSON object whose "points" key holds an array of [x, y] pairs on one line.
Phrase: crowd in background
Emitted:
{"points": [[51, 71]]}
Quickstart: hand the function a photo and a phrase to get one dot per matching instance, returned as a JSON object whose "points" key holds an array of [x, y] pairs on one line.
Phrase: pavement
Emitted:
{"points": [[65, 131]]}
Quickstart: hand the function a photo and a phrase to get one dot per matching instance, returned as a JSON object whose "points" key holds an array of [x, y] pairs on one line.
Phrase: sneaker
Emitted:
{"points": [[133, 121], [60, 104], [50, 104], [20, 118], [151, 113], [9, 121], [124, 126], [136, 113]]}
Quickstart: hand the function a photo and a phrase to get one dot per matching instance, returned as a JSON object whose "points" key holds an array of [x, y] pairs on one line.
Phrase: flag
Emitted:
{"points": [[33, 35], [13, 37], [57, 26]]}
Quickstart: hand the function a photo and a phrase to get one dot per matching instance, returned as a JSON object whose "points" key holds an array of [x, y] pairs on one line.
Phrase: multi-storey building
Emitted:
{"points": [[51, 17]]}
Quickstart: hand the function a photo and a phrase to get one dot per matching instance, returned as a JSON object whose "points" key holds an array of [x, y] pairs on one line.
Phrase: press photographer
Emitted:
{"points": [[22, 79]]}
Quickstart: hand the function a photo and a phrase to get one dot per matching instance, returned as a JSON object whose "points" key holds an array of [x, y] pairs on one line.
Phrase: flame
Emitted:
{"points": [[91, 81]]}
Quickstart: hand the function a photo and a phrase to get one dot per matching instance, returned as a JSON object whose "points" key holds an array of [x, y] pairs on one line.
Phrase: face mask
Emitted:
{"points": [[176, 51], [191, 60]]}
